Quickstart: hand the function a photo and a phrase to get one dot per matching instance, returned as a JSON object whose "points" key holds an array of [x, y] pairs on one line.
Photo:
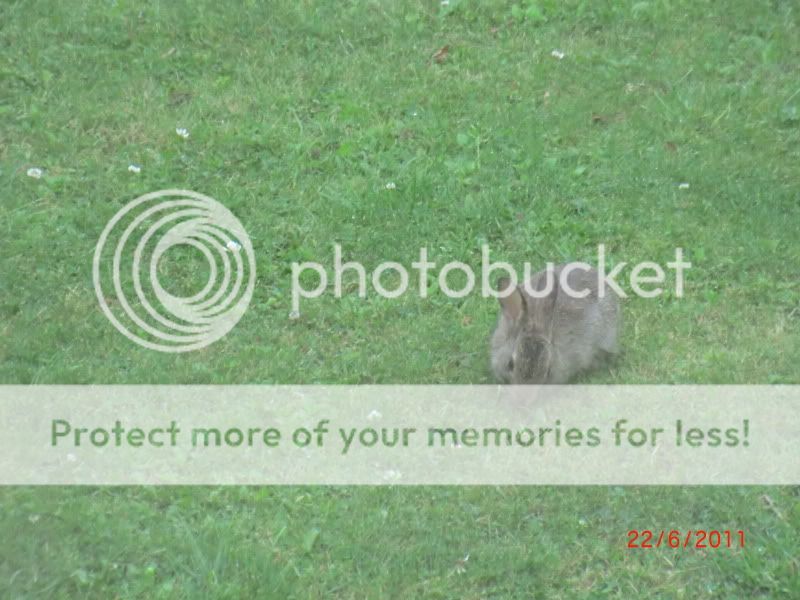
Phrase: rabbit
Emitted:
{"points": [[551, 339]]}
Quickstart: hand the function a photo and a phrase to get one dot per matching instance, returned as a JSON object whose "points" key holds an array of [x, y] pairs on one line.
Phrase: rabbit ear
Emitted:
{"points": [[543, 308], [513, 304]]}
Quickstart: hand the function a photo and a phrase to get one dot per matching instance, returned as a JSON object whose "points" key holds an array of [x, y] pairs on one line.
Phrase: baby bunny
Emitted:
{"points": [[546, 334]]}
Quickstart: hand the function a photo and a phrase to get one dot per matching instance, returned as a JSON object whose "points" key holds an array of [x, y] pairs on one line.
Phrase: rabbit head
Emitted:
{"points": [[521, 347]]}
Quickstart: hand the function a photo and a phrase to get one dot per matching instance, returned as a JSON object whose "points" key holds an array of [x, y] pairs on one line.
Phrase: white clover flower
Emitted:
{"points": [[557, 54], [134, 168], [182, 131], [35, 172], [683, 186], [233, 246], [391, 475], [391, 186], [445, 2], [632, 87]]}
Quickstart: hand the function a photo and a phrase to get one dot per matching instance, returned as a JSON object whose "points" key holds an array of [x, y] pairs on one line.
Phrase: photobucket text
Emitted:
{"points": [[646, 279]]}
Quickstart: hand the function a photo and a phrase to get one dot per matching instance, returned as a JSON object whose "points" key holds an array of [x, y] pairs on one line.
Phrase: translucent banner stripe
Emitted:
{"points": [[399, 435]]}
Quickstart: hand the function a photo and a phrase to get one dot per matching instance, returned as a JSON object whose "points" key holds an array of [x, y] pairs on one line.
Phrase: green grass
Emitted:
{"points": [[300, 113]]}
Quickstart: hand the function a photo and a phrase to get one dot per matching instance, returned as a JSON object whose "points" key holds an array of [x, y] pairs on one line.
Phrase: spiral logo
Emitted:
{"points": [[147, 228]]}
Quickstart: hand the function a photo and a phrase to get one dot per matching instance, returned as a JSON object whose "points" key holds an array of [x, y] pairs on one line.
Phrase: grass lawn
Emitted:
{"points": [[299, 115]]}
